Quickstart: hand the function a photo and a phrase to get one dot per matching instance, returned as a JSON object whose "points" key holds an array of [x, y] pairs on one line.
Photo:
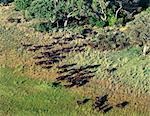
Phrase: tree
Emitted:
{"points": [[22, 4], [57, 11]]}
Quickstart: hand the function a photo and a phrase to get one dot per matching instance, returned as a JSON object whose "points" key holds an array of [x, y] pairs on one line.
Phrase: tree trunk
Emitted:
{"points": [[66, 22], [145, 49]]}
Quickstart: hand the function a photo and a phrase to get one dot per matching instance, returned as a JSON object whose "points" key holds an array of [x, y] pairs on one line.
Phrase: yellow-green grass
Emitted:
{"points": [[133, 69], [22, 96]]}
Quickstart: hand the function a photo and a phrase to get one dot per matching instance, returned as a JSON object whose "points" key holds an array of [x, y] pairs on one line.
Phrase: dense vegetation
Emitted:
{"points": [[60, 13], [22, 4]]}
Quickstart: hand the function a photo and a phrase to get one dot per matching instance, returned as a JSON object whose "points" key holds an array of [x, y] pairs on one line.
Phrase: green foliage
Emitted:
{"points": [[148, 10], [94, 22], [42, 9], [22, 4], [100, 23], [62, 11], [138, 29], [24, 96], [43, 27], [53, 11], [111, 18]]}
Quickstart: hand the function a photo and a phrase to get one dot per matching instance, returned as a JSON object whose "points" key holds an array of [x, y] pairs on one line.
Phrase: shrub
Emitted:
{"points": [[111, 18], [43, 27], [95, 22], [43, 9], [139, 30], [22, 4], [60, 12]]}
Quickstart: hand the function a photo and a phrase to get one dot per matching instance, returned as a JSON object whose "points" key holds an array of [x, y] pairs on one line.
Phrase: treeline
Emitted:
{"points": [[63, 13]]}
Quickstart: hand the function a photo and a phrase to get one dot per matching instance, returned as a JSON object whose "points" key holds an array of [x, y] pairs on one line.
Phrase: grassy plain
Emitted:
{"points": [[26, 89]]}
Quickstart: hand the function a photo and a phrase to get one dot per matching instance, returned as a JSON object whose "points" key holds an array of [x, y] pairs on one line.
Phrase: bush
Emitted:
{"points": [[62, 11], [43, 27], [42, 9], [22, 4], [139, 30], [95, 22], [111, 18]]}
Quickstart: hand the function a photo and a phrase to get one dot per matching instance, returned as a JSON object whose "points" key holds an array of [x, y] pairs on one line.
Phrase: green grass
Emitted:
{"points": [[132, 67], [24, 96]]}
